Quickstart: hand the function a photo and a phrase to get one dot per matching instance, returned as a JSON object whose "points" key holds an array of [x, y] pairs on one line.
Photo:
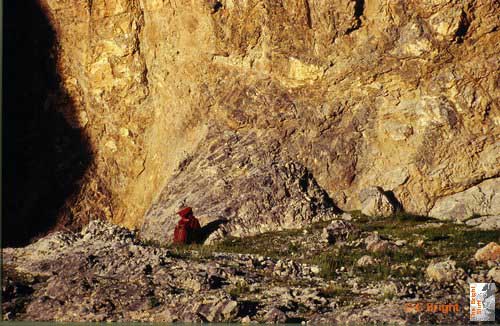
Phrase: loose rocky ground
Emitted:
{"points": [[350, 270]]}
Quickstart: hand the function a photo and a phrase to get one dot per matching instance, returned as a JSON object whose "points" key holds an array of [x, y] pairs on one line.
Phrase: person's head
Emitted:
{"points": [[186, 212]]}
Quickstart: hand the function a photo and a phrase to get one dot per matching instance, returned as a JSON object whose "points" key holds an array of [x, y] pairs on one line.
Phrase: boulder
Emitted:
{"points": [[485, 222], [374, 202], [482, 199], [494, 274], [275, 315], [374, 243], [337, 231], [365, 261], [490, 252], [218, 310]]}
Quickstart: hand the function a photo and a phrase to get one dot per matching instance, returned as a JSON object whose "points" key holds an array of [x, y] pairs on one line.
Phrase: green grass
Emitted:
{"points": [[272, 244], [346, 257], [334, 290], [442, 240]]}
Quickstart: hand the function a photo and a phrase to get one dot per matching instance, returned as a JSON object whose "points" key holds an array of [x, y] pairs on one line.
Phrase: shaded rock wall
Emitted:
{"points": [[396, 94], [44, 154]]}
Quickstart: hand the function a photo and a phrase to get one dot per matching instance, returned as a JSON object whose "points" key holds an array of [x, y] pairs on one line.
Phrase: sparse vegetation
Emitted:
{"points": [[334, 291], [438, 239], [278, 270], [441, 238]]}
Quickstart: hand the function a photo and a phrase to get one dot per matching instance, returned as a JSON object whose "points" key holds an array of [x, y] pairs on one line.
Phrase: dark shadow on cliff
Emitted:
{"points": [[398, 207], [43, 156]]}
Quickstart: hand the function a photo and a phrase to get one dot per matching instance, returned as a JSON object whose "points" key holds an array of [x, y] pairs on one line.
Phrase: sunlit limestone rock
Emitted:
{"points": [[396, 94]]}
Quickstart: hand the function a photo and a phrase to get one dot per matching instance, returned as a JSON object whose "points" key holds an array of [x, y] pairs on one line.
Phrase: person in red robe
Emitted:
{"points": [[188, 227]]}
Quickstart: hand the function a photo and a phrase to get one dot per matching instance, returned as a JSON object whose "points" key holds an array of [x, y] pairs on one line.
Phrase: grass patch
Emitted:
{"points": [[334, 291], [330, 264], [443, 239], [401, 225], [272, 244]]}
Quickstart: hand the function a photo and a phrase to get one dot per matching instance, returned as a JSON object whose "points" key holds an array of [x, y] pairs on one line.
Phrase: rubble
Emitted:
{"points": [[105, 273]]}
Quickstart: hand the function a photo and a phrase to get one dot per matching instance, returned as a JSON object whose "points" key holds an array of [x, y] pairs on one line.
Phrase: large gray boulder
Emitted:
{"points": [[338, 230], [491, 222], [482, 199]]}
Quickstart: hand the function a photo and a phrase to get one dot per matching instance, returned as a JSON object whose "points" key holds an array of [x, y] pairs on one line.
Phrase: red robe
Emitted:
{"points": [[186, 230]]}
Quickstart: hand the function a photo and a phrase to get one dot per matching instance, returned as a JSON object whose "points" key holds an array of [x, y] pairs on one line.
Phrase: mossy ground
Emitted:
{"points": [[426, 239]]}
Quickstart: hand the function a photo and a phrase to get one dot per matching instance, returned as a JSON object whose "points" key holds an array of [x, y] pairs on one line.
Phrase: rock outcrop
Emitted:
{"points": [[178, 97], [485, 222], [239, 180]]}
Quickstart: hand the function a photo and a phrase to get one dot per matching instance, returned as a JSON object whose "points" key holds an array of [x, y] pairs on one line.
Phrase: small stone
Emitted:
{"points": [[364, 261], [400, 243], [490, 252], [346, 217], [192, 284], [230, 309], [494, 274], [245, 320], [377, 245], [337, 231], [444, 271], [124, 132]]}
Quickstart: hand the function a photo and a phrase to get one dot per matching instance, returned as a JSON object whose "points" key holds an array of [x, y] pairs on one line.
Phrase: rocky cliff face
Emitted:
{"points": [[206, 101]]}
